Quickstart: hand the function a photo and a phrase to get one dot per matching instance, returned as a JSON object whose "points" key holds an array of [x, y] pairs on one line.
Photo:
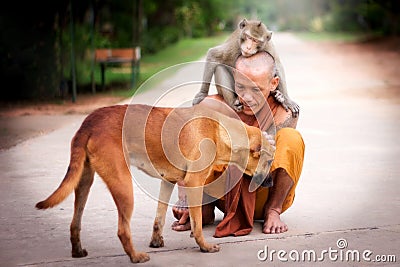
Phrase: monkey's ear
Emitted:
{"points": [[269, 34], [242, 24], [259, 23]]}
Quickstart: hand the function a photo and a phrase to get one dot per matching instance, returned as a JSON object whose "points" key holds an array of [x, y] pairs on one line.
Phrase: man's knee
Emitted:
{"points": [[289, 153], [290, 142], [291, 137]]}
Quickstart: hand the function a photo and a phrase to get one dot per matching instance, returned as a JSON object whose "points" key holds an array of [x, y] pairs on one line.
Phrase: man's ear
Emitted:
{"points": [[274, 82]]}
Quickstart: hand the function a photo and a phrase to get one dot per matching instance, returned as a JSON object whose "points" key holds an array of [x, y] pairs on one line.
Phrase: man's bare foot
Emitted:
{"points": [[180, 227], [181, 212], [273, 223]]}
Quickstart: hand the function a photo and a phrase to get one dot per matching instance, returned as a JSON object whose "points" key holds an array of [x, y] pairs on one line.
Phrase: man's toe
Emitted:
{"points": [[177, 227], [266, 230]]}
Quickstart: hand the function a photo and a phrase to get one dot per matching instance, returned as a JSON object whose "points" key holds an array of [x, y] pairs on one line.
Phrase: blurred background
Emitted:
{"points": [[342, 62], [47, 47]]}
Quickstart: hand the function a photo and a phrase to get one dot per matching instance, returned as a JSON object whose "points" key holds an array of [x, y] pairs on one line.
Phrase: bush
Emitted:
{"points": [[157, 38]]}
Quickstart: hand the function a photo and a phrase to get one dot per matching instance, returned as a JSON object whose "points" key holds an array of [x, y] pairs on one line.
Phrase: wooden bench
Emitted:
{"points": [[119, 55]]}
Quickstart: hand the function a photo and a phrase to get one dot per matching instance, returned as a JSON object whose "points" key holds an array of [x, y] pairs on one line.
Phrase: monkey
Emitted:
{"points": [[250, 37]]}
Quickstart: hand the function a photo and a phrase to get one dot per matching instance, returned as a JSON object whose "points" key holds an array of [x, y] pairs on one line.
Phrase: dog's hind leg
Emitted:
{"points": [[110, 164], [119, 182], [163, 200], [81, 196]]}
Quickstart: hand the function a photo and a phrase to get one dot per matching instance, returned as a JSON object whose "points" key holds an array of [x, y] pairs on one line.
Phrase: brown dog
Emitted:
{"points": [[181, 144]]}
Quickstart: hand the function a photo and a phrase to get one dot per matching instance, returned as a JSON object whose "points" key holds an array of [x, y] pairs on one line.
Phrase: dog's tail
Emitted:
{"points": [[73, 175]]}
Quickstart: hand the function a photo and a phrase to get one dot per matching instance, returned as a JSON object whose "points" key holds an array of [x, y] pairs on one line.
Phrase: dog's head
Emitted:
{"points": [[248, 147], [260, 155]]}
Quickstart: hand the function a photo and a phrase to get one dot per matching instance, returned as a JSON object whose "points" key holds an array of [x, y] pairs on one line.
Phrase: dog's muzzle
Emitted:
{"points": [[263, 180]]}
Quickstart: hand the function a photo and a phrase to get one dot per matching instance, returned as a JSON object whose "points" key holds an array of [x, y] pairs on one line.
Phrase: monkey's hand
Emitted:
{"points": [[286, 103]]}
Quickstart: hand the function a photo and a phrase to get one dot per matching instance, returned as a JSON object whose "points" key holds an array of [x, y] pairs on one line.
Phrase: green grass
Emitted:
{"points": [[183, 51], [332, 36]]}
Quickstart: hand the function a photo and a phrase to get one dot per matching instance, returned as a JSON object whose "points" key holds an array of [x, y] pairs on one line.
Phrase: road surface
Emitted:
{"points": [[347, 201]]}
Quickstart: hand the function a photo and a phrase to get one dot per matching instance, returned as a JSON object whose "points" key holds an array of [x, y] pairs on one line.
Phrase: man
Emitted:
{"points": [[286, 168]]}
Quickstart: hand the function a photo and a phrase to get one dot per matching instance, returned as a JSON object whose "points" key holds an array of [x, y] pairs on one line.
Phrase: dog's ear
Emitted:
{"points": [[223, 136]]}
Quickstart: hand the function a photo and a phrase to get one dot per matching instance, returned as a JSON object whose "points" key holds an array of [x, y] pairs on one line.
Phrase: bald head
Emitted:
{"points": [[255, 77], [261, 63]]}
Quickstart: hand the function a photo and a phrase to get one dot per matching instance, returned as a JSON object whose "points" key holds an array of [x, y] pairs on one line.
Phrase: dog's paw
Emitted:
{"points": [[211, 248], [79, 253], [157, 242], [140, 257]]}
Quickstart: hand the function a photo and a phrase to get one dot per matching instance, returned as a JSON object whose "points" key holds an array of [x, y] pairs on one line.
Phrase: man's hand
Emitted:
{"points": [[270, 138], [181, 212]]}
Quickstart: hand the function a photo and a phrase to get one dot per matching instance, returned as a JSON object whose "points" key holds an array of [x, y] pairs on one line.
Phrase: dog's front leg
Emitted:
{"points": [[163, 199], [195, 197]]}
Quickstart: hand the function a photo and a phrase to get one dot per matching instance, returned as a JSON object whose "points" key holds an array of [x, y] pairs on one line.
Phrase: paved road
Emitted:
{"points": [[348, 189]]}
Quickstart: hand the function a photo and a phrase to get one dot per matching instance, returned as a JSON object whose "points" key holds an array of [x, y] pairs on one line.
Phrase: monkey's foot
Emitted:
{"points": [[294, 108], [198, 98], [287, 103], [279, 96]]}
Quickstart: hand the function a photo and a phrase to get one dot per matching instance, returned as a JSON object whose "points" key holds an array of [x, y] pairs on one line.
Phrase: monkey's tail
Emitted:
{"points": [[73, 175]]}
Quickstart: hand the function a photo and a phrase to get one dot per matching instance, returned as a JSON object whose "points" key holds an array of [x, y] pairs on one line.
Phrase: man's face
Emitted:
{"points": [[254, 89]]}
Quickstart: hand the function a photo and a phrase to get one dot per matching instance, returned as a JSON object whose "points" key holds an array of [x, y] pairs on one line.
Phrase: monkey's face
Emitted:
{"points": [[249, 45], [253, 37]]}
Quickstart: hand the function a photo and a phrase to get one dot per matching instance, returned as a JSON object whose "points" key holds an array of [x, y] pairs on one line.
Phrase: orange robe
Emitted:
{"points": [[242, 206]]}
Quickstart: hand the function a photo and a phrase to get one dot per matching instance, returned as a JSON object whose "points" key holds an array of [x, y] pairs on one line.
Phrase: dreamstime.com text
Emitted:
{"points": [[339, 254]]}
